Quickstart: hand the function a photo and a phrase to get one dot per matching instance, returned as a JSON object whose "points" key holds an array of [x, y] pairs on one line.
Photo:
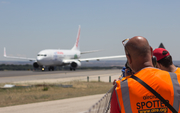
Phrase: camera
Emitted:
{"points": [[154, 61], [127, 67]]}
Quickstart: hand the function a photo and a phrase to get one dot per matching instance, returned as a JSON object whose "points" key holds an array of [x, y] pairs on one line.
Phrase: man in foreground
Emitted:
{"points": [[164, 60], [132, 96]]}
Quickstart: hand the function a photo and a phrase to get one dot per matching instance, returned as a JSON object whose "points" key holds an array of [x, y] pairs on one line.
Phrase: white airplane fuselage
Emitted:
{"points": [[51, 57]]}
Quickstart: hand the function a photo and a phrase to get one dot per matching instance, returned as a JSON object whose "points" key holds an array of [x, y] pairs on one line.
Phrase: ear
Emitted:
{"points": [[151, 49], [129, 59]]}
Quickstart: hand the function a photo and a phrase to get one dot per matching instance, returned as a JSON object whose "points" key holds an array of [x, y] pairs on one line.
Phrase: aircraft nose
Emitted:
{"points": [[40, 59]]}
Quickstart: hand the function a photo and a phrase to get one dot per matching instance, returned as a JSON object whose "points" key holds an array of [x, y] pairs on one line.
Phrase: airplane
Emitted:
{"points": [[59, 57]]}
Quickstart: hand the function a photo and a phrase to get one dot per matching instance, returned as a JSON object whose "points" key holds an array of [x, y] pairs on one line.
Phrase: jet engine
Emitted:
{"points": [[75, 64], [35, 65]]}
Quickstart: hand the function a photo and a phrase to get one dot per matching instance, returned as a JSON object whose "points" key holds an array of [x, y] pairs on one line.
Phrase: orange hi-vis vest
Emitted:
{"points": [[135, 98], [177, 70]]}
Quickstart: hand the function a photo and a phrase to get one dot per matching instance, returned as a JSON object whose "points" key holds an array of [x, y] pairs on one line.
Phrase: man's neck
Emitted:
{"points": [[144, 65], [172, 68]]}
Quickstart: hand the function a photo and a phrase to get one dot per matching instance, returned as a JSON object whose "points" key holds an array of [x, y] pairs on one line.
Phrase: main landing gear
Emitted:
{"points": [[72, 69], [51, 68]]}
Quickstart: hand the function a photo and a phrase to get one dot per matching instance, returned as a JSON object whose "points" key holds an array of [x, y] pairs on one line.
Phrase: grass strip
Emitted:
{"points": [[47, 92]]}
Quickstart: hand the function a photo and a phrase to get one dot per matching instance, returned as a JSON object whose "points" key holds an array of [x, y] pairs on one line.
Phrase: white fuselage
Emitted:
{"points": [[51, 57]]}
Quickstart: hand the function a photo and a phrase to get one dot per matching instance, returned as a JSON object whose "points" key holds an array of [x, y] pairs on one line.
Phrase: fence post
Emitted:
{"points": [[87, 78], [98, 78], [109, 78]]}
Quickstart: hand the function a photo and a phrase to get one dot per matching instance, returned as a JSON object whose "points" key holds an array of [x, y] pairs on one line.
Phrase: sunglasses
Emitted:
{"points": [[125, 41], [124, 44]]}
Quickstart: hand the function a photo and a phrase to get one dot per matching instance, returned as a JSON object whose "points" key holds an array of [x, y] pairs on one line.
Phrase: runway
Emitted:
{"points": [[27, 76]]}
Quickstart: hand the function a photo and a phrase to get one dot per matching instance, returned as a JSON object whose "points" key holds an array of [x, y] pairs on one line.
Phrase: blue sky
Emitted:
{"points": [[29, 26]]}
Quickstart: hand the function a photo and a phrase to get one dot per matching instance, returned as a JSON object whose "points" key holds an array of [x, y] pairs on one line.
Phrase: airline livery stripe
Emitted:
{"points": [[77, 42]]}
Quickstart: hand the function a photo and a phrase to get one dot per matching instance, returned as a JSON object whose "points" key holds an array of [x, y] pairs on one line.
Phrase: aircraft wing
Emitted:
{"points": [[66, 61], [100, 58], [85, 52], [23, 58]]}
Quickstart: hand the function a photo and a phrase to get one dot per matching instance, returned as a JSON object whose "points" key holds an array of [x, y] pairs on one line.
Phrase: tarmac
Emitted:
{"points": [[100, 77], [70, 105], [55, 76]]}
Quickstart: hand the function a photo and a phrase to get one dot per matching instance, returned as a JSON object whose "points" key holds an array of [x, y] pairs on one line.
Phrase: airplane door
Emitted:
{"points": [[57, 58]]}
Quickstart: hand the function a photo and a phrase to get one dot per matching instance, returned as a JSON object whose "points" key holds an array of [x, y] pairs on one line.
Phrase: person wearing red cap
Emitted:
{"points": [[164, 60]]}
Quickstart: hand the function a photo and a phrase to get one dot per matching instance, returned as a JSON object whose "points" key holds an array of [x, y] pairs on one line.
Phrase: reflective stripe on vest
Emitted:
{"points": [[176, 90], [125, 97]]}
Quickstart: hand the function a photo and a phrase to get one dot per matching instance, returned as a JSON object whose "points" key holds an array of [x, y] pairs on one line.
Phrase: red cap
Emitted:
{"points": [[160, 53]]}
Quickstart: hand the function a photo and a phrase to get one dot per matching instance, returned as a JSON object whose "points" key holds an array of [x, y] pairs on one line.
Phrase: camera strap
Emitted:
{"points": [[154, 92]]}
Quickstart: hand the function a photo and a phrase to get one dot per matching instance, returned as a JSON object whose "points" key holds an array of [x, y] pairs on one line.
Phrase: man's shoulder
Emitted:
{"points": [[125, 78], [151, 71]]}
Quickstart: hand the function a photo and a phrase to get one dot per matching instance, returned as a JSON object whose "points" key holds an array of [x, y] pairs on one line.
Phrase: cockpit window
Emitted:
{"points": [[41, 55]]}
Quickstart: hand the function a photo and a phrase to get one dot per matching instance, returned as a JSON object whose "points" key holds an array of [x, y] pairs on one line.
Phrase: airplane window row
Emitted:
{"points": [[41, 55]]}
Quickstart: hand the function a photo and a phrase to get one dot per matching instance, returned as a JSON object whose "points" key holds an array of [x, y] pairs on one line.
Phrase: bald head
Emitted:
{"points": [[139, 53], [138, 46]]}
